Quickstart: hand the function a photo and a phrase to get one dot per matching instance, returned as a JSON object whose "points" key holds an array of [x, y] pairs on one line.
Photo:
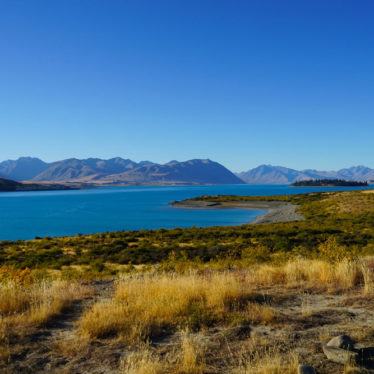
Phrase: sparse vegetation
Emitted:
{"points": [[347, 217]]}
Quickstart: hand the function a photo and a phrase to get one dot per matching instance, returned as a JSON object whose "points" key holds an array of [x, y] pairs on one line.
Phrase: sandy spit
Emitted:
{"points": [[276, 211]]}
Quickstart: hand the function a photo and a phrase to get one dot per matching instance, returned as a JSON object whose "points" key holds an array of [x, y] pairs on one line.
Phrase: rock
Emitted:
{"points": [[341, 349], [305, 369], [340, 355], [342, 341]]}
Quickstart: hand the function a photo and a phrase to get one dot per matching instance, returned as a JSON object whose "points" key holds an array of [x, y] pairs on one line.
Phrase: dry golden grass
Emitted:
{"points": [[348, 369], [191, 355], [36, 303], [195, 308], [367, 268], [272, 362], [143, 361], [142, 308], [358, 202], [24, 305], [149, 306], [303, 273], [368, 191], [187, 358]]}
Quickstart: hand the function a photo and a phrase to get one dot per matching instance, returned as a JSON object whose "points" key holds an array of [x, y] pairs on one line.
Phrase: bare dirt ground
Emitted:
{"points": [[305, 321]]}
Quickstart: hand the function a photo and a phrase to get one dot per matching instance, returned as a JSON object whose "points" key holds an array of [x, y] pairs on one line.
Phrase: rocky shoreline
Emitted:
{"points": [[276, 211]]}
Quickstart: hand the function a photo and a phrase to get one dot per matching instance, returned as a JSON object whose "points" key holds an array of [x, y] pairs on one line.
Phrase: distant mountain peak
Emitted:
{"points": [[24, 168], [268, 174]]}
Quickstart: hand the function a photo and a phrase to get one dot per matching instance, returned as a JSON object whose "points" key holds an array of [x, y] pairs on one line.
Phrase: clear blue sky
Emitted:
{"points": [[242, 82]]}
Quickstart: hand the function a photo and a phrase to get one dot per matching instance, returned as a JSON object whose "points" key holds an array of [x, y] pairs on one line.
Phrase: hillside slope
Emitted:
{"points": [[7, 185]]}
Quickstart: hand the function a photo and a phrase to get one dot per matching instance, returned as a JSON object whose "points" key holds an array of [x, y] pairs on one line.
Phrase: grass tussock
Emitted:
{"points": [[269, 363], [191, 356], [27, 302], [143, 308], [187, 358], [367, 268], [317, 274], [143, 361], [40, 301], [32, 303]]}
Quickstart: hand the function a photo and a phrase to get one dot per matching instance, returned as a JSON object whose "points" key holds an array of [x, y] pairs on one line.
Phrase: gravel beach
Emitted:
{"points": [[276, 211]]}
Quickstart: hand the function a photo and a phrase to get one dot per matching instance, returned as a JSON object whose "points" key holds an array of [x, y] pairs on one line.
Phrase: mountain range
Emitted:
{"points": [[118, 171], [125, 171], [268, 174]]}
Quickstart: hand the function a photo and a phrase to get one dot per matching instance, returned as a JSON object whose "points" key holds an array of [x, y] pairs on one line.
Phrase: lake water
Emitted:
{"points": [[24, 215]]}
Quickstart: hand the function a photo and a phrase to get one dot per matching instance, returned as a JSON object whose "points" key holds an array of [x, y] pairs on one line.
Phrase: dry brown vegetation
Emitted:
{"points": [[38, 302], [352, 203], [261, 319], [159, 307], [146, 307], [186, 357], [27, 303]]}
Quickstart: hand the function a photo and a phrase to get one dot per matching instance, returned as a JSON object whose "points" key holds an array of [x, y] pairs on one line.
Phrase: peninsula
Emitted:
{"points": [[276, 211], [329, 183], [7, 185]]}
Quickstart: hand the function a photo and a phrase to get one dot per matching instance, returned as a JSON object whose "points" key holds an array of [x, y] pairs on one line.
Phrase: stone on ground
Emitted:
{"points": [[306, 369]]}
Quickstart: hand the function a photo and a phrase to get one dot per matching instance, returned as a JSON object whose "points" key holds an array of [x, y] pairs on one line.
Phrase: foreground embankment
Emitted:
{"points": [[248, 299]]}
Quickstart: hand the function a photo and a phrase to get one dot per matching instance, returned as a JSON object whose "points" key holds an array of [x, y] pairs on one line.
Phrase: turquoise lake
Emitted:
{"points": [[25, 215]]}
